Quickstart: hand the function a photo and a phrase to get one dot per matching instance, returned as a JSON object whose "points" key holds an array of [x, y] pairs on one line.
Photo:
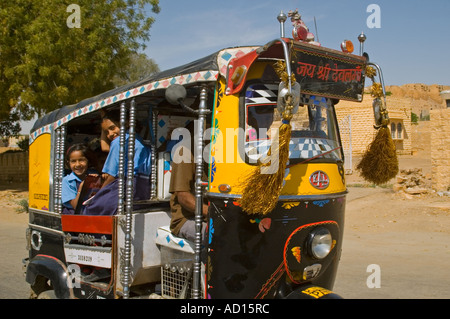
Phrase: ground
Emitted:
{"points": [[406, 236]]}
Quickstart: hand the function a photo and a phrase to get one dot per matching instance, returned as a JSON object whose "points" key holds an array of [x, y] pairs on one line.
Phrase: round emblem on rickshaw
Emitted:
{"points": [[319, 180]]}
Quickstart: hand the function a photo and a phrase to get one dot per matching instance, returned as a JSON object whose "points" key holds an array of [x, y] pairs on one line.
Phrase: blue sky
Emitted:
{"points": [[412, 44]]}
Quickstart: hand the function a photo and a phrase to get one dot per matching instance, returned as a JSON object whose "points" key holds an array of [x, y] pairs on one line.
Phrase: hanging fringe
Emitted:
{"points": [[263, 187], [379, 163]]}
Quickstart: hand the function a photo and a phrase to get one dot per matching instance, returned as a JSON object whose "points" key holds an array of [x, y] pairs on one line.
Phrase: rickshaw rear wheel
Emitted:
{"points": [[41, 284], [48, 294]]}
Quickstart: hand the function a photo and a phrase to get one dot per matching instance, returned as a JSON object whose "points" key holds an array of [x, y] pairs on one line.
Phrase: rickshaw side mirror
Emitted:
{"points": [[175, 94], [284, 93], [380, 113]]}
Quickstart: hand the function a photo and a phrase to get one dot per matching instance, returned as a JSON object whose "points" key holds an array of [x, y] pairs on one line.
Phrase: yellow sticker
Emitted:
{"points": [[316, 292], [289, 205], [296, 252]]}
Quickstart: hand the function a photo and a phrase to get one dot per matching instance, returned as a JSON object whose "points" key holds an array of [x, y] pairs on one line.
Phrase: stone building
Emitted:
{"points": [[362, 121], [446, 97], [440, 145], [11, 141], [13, 167]]}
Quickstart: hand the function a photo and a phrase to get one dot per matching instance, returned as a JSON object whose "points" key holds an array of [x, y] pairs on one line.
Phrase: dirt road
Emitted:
{"points": [[12, 238], [404, 240]]}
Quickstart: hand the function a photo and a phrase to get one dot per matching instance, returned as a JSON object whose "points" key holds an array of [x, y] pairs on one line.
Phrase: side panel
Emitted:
{"points": [[145, 253], [46, 237], [39, 172], [225, 160]]}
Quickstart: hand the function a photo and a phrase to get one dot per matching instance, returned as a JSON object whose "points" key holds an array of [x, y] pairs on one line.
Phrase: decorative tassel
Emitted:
{"points": [[262, 187], [379, 163]]}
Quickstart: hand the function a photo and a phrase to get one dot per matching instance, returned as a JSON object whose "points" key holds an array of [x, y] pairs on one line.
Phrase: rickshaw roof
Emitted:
{"points": [[206, 69]]}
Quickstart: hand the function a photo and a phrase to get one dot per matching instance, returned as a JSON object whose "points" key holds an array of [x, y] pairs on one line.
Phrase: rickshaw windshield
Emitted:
{"points": [[314, 135]]}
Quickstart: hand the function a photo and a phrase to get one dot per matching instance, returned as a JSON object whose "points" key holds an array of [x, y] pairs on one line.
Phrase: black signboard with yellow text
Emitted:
{"points": [[329, 73]]}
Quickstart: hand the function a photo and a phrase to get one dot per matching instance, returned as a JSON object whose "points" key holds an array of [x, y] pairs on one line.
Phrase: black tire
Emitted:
{"points": [[48, 294]]}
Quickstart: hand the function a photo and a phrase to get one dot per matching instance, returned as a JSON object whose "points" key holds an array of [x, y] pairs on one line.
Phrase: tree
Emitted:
{"points": [[24, 144], [10, 125], [139, 67], [48, 61]]}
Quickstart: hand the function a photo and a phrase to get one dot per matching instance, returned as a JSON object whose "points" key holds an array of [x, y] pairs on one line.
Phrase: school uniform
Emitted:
{"points": [[69, 190], [106, 200]]}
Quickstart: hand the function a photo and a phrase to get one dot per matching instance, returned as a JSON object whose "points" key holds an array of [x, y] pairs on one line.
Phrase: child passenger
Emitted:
{"points": [[106, 200], [77, 160]]}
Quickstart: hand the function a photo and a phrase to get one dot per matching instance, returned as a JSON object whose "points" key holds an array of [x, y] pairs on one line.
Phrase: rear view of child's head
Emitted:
{"points": [[77, 159]]}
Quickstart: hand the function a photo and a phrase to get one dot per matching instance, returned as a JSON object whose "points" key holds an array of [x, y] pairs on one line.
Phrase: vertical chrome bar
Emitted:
{"points": [[288, 62], [55, 178], [57, 200], [317, 33], [153, 155], [202, 111], [361, 38], [129, 200], [62, 142], [121, 171], [58, 169], [281, 19], [380, 75]]}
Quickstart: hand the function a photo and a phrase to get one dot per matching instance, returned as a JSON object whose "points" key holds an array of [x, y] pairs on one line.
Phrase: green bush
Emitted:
{"points": [[24, 144]]}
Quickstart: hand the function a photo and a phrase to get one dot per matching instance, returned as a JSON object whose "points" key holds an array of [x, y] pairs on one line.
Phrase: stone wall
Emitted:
{"points": [[13, 167], [362, 121], [440, 149]]}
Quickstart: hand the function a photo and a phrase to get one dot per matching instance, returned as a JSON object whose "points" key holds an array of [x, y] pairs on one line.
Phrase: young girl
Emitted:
{"points": [[106, 200], [77, 160]]}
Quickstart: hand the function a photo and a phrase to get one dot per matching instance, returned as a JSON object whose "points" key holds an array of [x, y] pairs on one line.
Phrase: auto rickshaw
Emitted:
{"points": [[238, 98]]}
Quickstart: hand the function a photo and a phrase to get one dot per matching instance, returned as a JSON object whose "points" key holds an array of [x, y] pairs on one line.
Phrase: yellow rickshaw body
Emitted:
{"points": [[229, 168], [39, 172]]}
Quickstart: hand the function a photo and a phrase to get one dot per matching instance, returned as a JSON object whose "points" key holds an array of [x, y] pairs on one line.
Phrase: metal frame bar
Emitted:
{"points": [[57, 171], [288, 62], [153, 132], [121, 170], [380, 75], [46, 229], [129, 200], [202, 112]]}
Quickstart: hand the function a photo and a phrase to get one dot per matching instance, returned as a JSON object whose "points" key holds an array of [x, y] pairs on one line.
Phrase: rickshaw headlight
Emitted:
{"points": [[320, 242]]}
